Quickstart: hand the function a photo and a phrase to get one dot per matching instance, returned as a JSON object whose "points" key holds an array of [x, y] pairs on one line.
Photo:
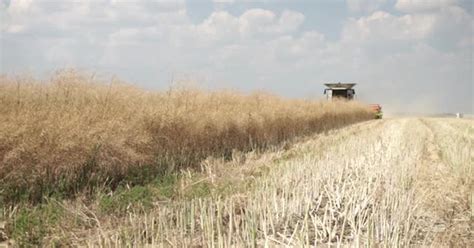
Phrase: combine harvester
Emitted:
{"points": [[346, 91]]}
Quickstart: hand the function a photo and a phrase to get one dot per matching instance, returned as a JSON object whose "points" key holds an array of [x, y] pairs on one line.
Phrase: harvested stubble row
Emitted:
{"points": [[74, 133]]}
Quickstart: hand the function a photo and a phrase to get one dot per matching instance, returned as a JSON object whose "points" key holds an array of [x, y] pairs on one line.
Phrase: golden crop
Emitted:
{"points": [[73, 132]]}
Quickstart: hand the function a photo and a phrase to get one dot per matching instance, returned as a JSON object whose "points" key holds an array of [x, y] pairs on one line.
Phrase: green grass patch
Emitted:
{"points": [[198, 190], [124, 199], [30, 225], [138, 197]]}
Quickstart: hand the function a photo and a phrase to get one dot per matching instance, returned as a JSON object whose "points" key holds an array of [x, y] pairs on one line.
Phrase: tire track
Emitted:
{"points": [[446, 211]]}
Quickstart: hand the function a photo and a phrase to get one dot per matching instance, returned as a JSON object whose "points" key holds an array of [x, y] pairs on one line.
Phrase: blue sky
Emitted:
{"points": [[408, 55]]}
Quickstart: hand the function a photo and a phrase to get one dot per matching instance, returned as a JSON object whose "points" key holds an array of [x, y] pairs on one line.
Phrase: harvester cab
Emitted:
{"points": [[339, 91]]}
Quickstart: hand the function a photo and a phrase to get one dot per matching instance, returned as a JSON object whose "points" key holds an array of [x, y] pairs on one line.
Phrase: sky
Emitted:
{"points": [[407, 55]]}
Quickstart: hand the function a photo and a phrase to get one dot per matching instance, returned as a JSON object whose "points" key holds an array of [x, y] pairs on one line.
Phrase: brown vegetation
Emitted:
{"points": [[74, 133]]}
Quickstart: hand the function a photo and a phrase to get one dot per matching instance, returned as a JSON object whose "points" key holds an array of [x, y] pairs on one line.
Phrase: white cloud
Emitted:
{"points": [[305, 46], [381, 26], [19, 6], [364, 5], [290, 21], [229, 2], [221, 26], [223, 1], [260, 21], [256, 21], [411, 6], [447, 29], [69, 16], [15, 28]]}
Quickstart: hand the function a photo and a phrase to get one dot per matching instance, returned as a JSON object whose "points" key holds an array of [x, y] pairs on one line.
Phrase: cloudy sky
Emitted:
{"points": [[408, 55]]}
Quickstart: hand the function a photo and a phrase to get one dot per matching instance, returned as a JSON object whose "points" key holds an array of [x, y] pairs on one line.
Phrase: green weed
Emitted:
{"points": [[31, 225]]}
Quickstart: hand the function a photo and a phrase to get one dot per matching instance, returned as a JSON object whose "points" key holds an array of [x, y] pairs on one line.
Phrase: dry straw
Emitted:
{"points": [[74, 133]]}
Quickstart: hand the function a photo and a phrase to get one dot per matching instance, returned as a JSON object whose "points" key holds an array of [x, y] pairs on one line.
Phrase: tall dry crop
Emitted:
{"points": [[74, 133]]}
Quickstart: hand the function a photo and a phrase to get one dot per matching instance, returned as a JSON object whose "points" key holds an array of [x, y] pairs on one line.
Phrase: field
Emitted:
{"points": [[311, 174]]}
